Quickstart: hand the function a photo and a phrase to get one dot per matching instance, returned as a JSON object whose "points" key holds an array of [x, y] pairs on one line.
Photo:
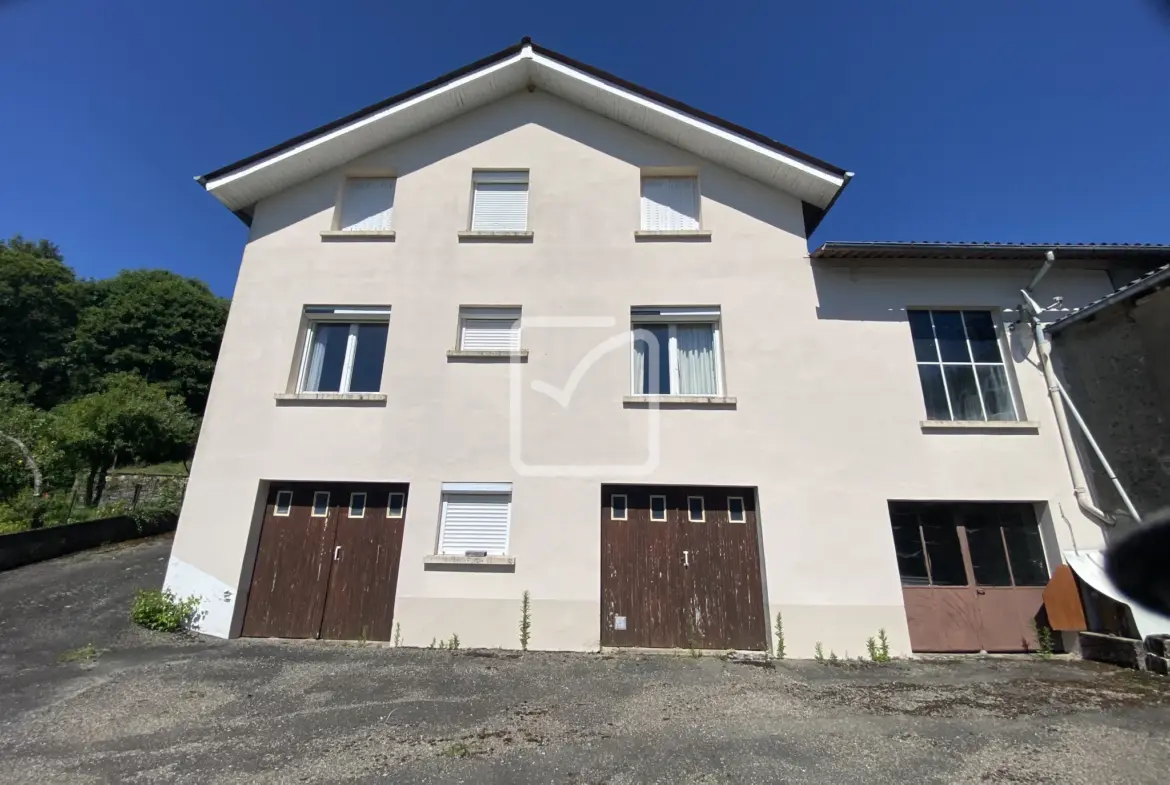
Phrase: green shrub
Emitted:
{"points": [[162, 611]]}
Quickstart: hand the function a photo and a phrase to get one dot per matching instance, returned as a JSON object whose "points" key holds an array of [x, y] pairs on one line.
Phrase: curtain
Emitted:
{"points": [[651, 360], [696, 360], [316, 360]]}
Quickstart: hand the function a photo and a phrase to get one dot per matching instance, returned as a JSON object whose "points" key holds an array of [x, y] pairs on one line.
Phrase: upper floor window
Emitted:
{"points": [[670, 204], [676, 351], [961, 366], [344, 349], [499, 202], [489, 329], [367, 204]]}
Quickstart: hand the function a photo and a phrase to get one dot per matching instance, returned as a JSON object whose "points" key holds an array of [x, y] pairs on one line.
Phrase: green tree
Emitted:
{"points": [[162, 326], [127, 420], [39, 301]]}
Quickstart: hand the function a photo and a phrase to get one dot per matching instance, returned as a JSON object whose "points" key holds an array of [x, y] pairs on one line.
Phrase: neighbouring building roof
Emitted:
{"points": [[1150, 282], [240, 185], [1035, 252]]}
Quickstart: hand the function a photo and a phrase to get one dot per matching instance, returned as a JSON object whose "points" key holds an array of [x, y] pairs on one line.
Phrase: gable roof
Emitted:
{"points": [[1103, 254], [240, 185]]}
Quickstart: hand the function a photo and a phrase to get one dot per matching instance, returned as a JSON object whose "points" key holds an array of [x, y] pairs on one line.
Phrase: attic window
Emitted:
{"points": [[367, 204], [499, 201], [670, 204]]}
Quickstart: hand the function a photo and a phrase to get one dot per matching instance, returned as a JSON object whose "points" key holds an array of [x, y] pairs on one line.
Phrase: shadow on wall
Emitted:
{"points": [[605, 136]]}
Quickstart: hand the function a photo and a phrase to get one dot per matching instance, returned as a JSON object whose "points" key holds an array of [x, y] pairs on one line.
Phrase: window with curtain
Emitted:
{"points": [[670, 204], [345, 350], [367, 204], [961, 366], [499, 201], [676, 352], [489, 329]]}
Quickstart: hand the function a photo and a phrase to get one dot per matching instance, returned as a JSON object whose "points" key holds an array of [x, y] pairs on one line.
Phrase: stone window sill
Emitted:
{"points": [[451, 563], [679, 401], [693, 235], [460, 354], [387, 235], [979, 426], [368, 399], [495, 237]]}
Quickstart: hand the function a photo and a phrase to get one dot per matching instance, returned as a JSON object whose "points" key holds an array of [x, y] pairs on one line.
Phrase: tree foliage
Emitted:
{"points": [[160, 325]]}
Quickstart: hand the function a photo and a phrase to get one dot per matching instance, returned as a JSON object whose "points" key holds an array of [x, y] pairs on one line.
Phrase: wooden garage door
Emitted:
{"points": [[327, 561], [973, 574], [690, 580]]}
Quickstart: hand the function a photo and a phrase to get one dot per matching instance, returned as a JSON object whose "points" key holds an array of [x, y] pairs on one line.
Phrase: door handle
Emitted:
{"points": [[336, 552], [980, 591], [686, 558]]}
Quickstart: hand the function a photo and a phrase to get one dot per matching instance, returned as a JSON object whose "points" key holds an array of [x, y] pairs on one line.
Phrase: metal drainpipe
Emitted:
{"points": [[1058, 398]]}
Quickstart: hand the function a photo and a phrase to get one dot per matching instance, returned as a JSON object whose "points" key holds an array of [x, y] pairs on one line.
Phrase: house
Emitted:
{"points": [[532, 328]]}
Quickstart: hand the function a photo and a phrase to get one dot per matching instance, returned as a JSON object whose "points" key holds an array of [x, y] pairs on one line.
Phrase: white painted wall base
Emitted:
{"points": [[217, 600], [557, 625]]}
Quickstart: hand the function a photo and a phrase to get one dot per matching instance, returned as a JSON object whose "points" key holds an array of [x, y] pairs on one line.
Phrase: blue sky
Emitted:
{"points": [[997, 120]]}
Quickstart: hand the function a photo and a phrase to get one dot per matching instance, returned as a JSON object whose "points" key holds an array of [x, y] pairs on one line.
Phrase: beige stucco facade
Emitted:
{"points": [[826, 423]]}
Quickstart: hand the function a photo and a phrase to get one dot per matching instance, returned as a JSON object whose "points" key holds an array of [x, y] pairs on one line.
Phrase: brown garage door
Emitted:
{"points": [[973, 574], [327, 561], [681, 568]]}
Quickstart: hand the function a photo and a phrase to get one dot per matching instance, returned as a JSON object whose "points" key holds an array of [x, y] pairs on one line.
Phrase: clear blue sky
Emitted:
{"points": [[996, 120]]}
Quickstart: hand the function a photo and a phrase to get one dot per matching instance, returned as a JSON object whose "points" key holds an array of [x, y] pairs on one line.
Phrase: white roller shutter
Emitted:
{"points": [[475, 522], [500, 202], [489, 330], [670, 204], [367, 204]]}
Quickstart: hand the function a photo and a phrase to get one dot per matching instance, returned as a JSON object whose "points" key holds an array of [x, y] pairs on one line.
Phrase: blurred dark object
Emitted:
{"points": [[1139, 565], [1162, 7]]}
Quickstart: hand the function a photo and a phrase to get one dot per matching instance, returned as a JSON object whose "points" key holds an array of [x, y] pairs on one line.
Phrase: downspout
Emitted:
{"points": [[1059, 398]]}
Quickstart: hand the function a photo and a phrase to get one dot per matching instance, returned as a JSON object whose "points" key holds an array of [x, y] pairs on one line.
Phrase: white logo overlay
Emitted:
{"points": [[563, 395]]}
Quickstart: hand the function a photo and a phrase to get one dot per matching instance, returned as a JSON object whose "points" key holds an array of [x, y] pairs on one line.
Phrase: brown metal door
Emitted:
{"points": [[291, 574], [362, 584], [942, 619], [675, 583]]}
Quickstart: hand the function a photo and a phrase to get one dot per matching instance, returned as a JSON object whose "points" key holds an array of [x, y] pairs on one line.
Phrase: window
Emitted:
{"points": [[617, 507], [676, 351], [366, 204], [344, 349], [499, 201], [283, 504], [960, 366], [658, 508], [695, 511], [735, 509], [357, 505], [489, 329], [475, 519], [320, 504], [395, 505], [670, 204]]}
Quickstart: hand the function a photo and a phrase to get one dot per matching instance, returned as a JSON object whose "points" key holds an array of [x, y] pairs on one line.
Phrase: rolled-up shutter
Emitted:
{"points": [[475, 522], [670, 204], [500, 202], [367, 204], [490, 330]]}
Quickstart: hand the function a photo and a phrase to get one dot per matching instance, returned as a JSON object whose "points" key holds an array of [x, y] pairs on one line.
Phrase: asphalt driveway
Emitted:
{"points": [[132, 706]]}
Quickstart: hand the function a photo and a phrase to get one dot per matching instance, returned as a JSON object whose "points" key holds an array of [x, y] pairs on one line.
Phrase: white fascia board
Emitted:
{"points": [[385, 114], [693, 122]]}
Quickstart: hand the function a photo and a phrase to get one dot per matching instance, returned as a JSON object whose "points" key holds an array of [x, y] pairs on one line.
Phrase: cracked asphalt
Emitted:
{"points": [[86, 697]]}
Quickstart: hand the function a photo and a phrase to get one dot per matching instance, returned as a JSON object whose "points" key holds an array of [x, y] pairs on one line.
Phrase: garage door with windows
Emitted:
{"points": [[327, 561], [973, 574]]}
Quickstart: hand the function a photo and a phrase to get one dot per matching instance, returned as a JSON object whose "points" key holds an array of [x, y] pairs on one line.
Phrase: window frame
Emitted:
{"points": [[673, 318], [354, 316], [499, 177], [1008, 368], [702, 510], [693, 177], [336, 224], [401, 505], [287, 507], [625, 506], [665, 509], [365, 498], [313, 509], [742, 510], [490, 313]]}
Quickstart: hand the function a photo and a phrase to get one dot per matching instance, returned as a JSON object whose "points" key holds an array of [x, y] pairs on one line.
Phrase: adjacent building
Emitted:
{"points": [[532, 328]]}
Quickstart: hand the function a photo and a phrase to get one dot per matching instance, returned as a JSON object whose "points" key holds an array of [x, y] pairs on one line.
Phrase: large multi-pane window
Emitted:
{"points": [[676, 351], [961, 366]]}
